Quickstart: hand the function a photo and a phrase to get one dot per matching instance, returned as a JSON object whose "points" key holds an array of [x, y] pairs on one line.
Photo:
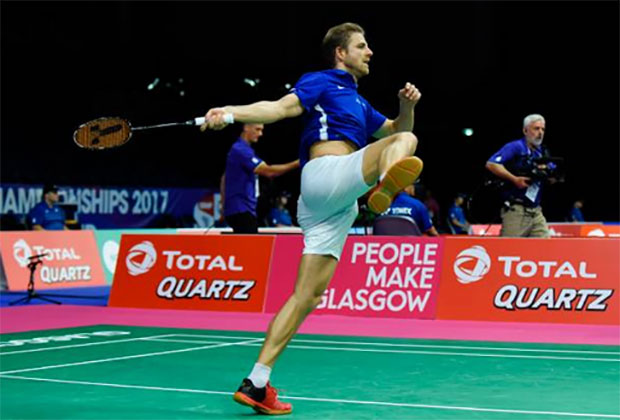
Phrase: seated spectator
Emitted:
{"points": [[456, 217], [279, 215], [575, 214], [47, 215], [406, 205]]}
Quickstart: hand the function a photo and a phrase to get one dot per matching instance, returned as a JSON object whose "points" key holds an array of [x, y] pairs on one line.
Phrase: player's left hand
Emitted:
{"points": [[409, 94]]}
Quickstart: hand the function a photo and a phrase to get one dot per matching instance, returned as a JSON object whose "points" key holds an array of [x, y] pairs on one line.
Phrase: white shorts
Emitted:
{"points": [[327, 205]]}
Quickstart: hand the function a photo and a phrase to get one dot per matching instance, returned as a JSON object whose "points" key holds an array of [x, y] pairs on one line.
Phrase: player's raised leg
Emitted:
{"points": [[390, 160]]}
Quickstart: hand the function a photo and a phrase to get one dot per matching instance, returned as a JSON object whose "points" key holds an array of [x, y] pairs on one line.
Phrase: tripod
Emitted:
{"points": [[32, 294]]}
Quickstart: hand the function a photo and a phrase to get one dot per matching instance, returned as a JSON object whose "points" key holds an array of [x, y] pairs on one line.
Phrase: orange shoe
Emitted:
{"points": [[401, 174], [262, 400]]}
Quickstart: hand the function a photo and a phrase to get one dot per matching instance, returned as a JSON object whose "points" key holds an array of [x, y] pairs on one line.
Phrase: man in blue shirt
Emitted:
{"points": [[405, 204], [338, 167], [522, 215], [456, 217], [47, 215], [240, 192], [576, 215], [279, 215]]}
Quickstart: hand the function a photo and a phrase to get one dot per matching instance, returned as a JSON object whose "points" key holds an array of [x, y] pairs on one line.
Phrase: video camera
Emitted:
{"points": [[540, 168]]}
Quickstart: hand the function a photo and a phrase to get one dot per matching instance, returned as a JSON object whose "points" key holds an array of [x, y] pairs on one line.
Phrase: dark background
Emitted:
{"points": [[484, 65]]}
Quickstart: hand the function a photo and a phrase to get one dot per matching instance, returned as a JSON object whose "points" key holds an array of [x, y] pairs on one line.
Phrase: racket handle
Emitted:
{"points": [[228, 119]]}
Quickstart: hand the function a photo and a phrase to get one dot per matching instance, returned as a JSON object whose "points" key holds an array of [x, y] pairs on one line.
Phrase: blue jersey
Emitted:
{"points": [[280, 217], [456, 212], [50, 218], [406, 205], [513, 156], [576, 215], [335, 111], [241, 184]]}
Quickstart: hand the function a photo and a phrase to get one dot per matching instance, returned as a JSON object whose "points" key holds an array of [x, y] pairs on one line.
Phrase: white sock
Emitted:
{"points": [[260, 375]]}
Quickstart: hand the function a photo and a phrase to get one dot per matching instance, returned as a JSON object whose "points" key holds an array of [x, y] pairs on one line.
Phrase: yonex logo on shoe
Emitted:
{"points": [[476, 256], [141, 258]]}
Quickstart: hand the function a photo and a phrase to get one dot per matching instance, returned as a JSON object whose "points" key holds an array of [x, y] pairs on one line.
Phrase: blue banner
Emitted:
{"points": [[121, 207]]}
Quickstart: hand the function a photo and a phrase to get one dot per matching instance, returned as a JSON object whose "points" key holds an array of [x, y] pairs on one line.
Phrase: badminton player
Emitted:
{"points": [[338, 166]]}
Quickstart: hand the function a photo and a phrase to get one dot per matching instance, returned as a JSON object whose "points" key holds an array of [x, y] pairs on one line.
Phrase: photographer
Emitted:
{"points": [[522, 163]]}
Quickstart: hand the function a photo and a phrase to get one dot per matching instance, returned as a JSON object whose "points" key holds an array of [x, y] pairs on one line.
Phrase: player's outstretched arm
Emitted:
{"points": [[262, 112]]}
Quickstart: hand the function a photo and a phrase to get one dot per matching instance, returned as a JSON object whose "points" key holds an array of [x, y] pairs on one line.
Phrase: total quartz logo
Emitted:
{"points": [[21, 252], [141, 258], [520, 283], [472, 264]]}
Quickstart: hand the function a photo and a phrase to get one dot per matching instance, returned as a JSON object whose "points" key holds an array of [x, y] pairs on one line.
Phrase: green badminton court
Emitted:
{"points": [[121, 372]]}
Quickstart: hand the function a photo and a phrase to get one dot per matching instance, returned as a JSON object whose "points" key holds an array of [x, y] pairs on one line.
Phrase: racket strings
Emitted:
{"points": [[103, 133]]}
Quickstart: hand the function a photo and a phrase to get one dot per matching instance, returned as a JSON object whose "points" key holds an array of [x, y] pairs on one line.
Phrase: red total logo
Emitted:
{"points": [[141, 258], [472, 264]]}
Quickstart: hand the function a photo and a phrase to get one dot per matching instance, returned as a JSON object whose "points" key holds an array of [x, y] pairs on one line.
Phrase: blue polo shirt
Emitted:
{"points": [[456, 212], [335, 111], [576, 215], [49, 218], [406, 205], [513, 155], [241, 184], [280, 217]]}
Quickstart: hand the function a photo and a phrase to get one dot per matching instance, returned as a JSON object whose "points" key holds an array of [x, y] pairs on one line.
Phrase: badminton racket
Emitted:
{"points": [[110, 132]]}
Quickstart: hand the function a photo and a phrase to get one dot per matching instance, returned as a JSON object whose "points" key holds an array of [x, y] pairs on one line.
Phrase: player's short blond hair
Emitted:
{"points": [[338, 36]]}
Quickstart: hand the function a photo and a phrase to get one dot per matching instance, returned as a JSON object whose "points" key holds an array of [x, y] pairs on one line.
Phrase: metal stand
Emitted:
{"points": [[32, 294]]}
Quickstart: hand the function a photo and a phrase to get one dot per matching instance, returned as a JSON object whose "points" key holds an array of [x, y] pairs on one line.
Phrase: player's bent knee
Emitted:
{"points": [[410, 140]]}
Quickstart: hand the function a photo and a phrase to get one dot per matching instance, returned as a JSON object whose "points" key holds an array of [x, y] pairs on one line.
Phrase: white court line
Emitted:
{"points": [[513, 356], [168, 340], [430, 346], [174, 340], [295, 340], [70, 346], [136, 356], [432, 353], [327, 400]]}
